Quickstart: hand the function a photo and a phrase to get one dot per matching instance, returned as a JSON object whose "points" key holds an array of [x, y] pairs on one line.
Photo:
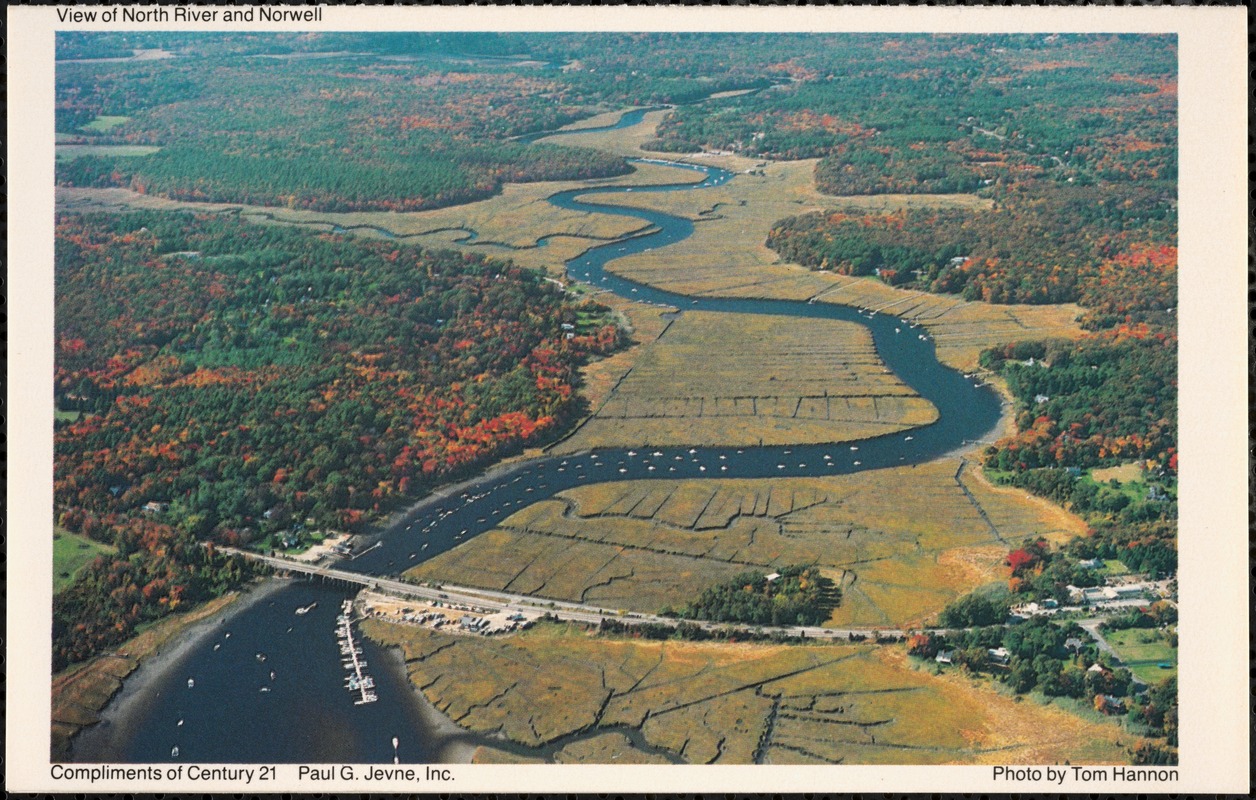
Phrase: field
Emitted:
{"points": [[1142, 651], [1125, 473], [1127, 480], [706, 703], [105, 123], [1115, 567], [66, 152], [747, 379], [70, 553], [901, 543]]}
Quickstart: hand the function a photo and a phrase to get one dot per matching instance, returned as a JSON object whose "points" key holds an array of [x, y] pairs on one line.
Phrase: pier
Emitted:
{"points": [[358, 680]]}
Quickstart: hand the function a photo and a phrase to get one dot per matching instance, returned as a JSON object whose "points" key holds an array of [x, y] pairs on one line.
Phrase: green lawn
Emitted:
{"points": [[70, 553], [1142, 651], [69, 152], [1114, 567], [104, 123], [1134, 490]]}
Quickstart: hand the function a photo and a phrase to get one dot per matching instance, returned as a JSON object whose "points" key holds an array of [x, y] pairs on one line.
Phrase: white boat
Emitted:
{"points": [[304, 610], [191, 683], [174, 752]]}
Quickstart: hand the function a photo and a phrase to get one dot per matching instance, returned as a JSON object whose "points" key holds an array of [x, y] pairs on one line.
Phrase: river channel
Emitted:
{"points": [[273, 691]]}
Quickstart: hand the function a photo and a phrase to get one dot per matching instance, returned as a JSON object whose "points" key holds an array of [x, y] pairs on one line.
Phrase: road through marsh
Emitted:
{"points": [[274, 693]]}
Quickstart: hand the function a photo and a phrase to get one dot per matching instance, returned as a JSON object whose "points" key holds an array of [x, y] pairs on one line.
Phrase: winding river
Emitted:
{"points": [[272, 692]]}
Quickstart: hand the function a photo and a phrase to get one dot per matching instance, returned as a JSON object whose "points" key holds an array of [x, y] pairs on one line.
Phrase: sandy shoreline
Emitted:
{"points": [[121, 713]]}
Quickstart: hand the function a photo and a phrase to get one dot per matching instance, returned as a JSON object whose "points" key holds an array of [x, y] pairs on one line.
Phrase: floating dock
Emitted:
{"points": [[357, 680]]}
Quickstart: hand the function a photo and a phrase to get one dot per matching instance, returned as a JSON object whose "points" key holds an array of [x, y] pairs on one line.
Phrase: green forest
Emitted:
{"points": [[238, 380], [793, 595], [410, 121], [1107, 399], [1112, 249]]}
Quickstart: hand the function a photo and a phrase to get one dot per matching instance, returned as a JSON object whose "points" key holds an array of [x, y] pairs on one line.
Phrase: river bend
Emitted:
{"points": [[272, 693]]}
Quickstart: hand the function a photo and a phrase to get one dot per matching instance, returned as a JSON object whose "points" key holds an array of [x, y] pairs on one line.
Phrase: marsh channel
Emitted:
{"points": [[272, 691]]}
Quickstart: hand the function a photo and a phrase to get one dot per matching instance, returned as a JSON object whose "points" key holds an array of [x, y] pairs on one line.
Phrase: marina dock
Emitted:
{"points": [[357, 680]]}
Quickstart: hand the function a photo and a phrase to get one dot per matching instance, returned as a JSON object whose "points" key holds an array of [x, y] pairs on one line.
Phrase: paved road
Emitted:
{"points": [[506, 601], [1091, 626]]}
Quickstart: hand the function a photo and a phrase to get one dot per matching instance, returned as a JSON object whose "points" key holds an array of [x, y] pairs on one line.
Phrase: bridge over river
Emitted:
{"points": [[228, 718], [506, 601]]}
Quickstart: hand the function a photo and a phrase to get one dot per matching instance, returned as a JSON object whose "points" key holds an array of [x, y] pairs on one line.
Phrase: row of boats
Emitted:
{"points": [[357, 679]]}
